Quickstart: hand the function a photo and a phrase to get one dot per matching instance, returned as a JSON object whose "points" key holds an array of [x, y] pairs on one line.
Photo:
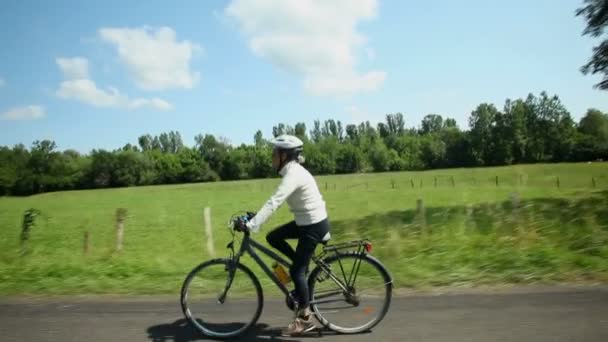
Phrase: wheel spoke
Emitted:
{"points": [[217, 300], [356, 309]]}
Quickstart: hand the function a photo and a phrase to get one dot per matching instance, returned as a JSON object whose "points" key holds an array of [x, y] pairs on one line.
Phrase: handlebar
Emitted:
{"points": [[237, 222]]}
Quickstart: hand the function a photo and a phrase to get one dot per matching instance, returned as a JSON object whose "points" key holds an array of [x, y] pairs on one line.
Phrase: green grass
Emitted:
{"points": [[472, 235]]}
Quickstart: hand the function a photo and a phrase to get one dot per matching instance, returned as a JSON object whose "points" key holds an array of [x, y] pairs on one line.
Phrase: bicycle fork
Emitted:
{"points": [[231, 268]]}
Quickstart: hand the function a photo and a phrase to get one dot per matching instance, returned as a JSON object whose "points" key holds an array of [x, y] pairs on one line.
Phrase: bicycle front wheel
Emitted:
{"points": [[221, 299], [355, 296]]}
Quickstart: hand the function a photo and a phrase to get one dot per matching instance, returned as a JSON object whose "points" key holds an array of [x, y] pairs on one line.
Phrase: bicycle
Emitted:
{"points": [[328, 283]]}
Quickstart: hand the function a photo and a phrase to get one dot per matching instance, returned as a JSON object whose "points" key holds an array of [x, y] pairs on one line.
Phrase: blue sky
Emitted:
{"points": [[99, 74]]}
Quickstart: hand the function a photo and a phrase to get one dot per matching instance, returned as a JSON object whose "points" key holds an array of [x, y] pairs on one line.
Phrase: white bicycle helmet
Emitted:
{"points": [[288, 143], [291, 145]]}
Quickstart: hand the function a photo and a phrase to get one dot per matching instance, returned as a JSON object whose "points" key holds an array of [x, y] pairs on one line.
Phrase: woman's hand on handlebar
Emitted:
{"points": [[240, 223]]}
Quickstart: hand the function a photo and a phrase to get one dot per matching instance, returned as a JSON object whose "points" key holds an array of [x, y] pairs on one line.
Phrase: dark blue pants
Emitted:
{"points": [[308, 237]]}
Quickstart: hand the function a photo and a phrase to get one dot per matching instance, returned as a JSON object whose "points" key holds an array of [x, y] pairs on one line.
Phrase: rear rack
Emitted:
{"points": [[344, 245]]}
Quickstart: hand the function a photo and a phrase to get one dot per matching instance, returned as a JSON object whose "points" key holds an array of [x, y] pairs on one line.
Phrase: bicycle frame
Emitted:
{"points": [[249, 246]]}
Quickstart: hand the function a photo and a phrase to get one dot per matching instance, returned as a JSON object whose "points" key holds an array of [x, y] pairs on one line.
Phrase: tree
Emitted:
{"points": [[145, 142], [261, 163], [481, 122], [234, 165], [349, 159], [316, 133], [103, 164], [258, 139], [352, 133], [527, 130], [501, 133], [332, 128], [176, 143], [383, 130], [165, 143], [458, 151], [433, 151], [156, 145], [69, 169], [591, 140], [555, 128], [515, 113], [130, 167], [450, 123], [300, 131], [395, 123], [281, 129], [379, 157], [194, 168], [19, 168], [213, 151], [595, 124], [42, 159], [8, 171], [596, 15], [431, 123], [409, 152], [317, 161]]}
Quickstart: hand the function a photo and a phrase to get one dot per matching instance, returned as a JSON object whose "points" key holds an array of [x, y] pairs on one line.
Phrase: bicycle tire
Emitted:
{"points": [[200, 326], [375, 263]]}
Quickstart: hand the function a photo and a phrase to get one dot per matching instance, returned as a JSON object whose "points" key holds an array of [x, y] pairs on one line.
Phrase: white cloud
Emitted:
{"points": [[32, 112], [155, 58], [2, 82], [74, 68], [314, 38], [78, 86]]}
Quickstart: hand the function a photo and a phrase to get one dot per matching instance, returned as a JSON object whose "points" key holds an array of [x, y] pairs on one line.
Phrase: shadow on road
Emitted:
{"points": [[181, 331]]}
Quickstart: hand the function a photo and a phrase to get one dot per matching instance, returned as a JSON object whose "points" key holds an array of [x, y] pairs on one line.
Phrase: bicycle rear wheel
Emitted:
{"points": [[220, 303], [356, 297]]}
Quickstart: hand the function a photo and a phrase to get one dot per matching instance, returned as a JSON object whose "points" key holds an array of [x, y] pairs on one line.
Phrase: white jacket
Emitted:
{"points": [[299, 189]]}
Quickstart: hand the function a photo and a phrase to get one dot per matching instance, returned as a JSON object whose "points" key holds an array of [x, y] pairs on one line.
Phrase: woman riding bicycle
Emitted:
{"points": [[310, 226]]}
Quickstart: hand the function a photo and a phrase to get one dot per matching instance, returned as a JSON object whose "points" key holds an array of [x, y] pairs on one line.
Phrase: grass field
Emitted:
{"points": [[473, 234]]}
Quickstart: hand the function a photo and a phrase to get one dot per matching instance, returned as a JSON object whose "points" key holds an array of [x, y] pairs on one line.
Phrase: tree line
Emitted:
{"points": [[531, 130]]}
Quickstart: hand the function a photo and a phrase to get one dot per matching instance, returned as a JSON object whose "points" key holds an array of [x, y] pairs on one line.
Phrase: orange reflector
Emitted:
{"points": [[368, 247], [368, 310]]}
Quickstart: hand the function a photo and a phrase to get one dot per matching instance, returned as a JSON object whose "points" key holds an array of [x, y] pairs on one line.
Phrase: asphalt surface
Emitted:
{"points": [[540, 316]]}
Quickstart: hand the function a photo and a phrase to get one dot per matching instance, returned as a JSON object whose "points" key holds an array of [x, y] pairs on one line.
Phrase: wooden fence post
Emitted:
{"points": [[496, 180], [86, 242], [29, 221], [121, 215], [593, 181], [558, 182], [515, 205], [435, 181], [393, 183], [412, 181], [209, 232], [421, 215]]}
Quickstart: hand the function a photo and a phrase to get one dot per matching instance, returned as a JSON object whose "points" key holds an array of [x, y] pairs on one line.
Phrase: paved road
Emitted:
{"points": [[543, 316]]}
